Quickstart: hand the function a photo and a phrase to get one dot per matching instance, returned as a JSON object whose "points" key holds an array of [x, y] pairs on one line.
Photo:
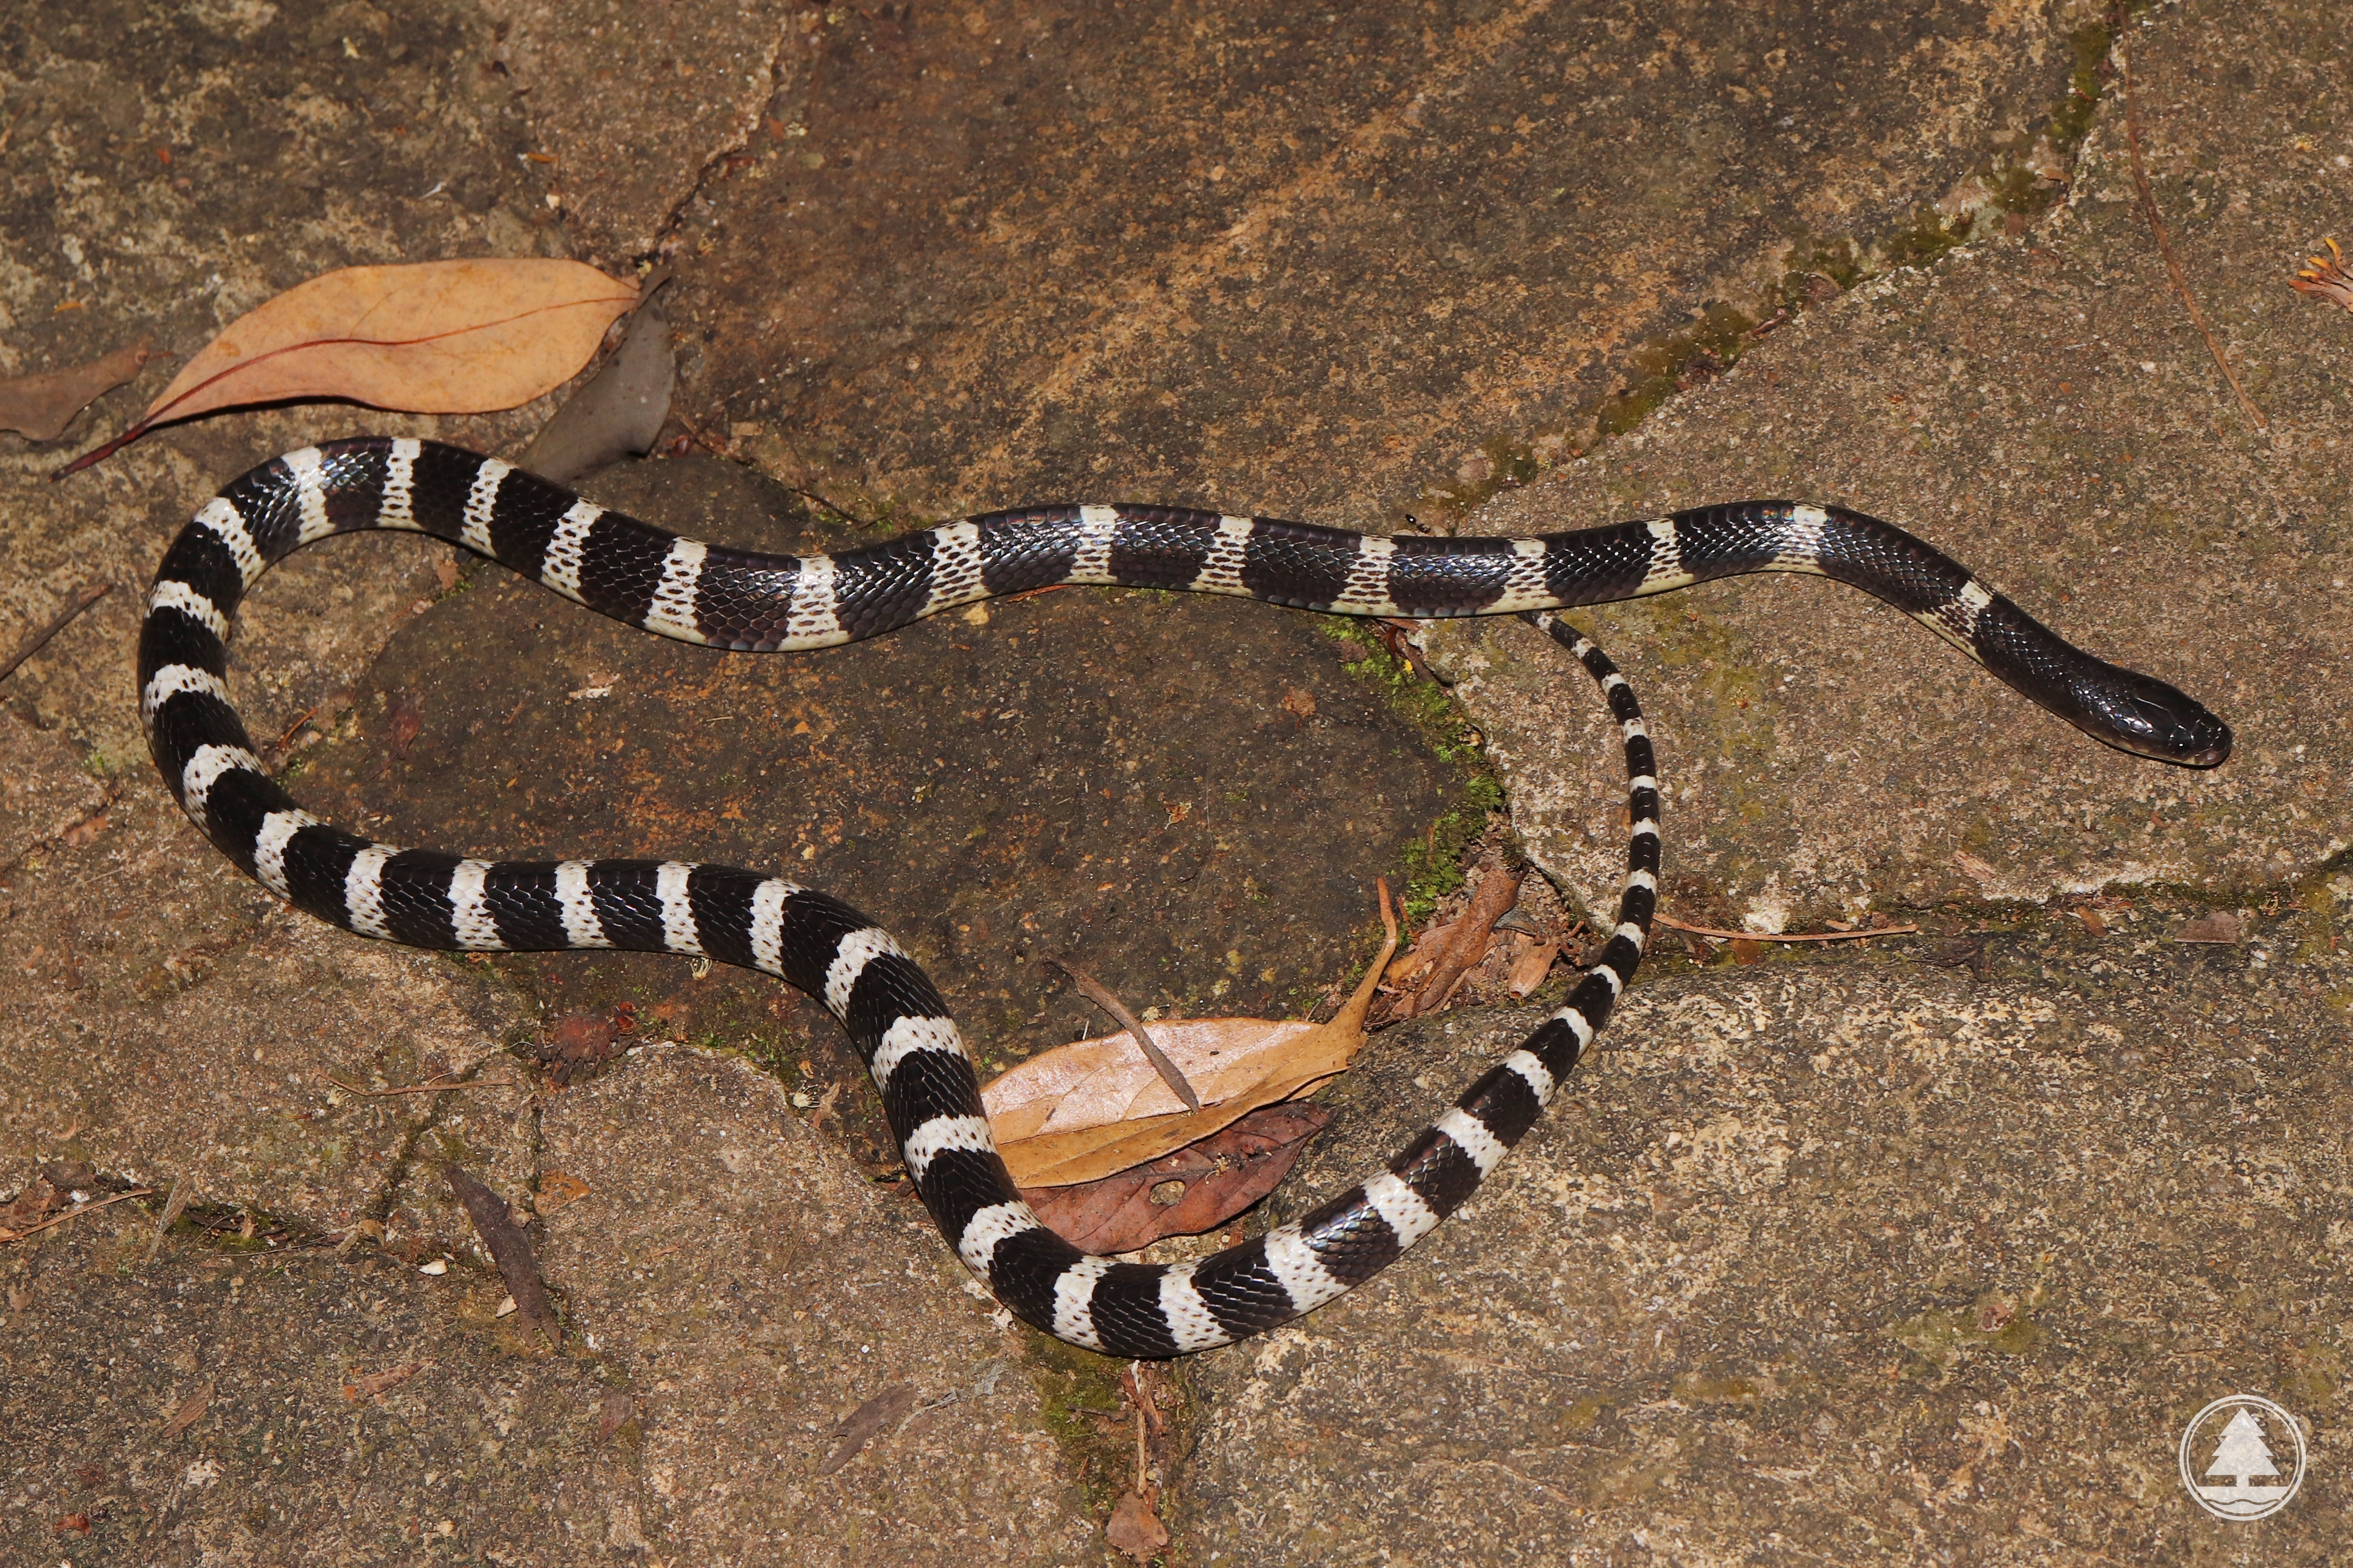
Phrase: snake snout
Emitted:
{"points": [[2176, 728]]}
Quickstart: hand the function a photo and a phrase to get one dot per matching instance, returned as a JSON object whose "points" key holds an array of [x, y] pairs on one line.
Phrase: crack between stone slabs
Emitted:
{"points": [[666, 229], [1737, 326]]}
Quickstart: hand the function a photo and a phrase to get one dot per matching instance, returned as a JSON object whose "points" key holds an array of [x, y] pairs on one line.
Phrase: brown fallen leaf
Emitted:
{"points": [[1528, 969], [2222, 926], [1433, 942], [1080, 1111], [1195, 1189], [39, 406], [191, 1411], [1134, 1528], [405, 722], [510, 1250], [1497, 892], [865, 1423], [31, 1206], [434, 337], [559, 1188], [373, 1385]]}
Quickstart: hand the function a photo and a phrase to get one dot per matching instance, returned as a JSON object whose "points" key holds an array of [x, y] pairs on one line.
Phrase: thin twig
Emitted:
{"points": [[848, 517], [2157, 226], [1092, 990], [83, 598], [424, 1088], [8, 1236], [1773, 936], [292, 729]]}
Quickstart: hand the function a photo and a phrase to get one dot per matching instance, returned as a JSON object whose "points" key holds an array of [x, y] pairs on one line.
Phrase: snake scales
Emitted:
{"points": [[697, 593]]}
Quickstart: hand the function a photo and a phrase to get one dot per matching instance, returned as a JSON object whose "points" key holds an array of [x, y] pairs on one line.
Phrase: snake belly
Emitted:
{"points": [[704, 594]]}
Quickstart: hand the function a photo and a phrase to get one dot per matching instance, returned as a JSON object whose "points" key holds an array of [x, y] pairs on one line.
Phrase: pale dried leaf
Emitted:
{"points": [[1080, 1111], [435, 337], [39, 406]]}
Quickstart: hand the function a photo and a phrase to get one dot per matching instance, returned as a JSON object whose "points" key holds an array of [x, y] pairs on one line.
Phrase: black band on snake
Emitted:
{"points": [[729, 599]]}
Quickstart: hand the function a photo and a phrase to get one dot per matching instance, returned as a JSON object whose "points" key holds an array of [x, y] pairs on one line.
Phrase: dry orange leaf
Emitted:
{"points": [[434, 337], [1080, 1111]]}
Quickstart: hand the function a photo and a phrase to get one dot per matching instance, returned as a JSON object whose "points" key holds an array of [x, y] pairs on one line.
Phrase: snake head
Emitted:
{"points": [[2150, 718]]}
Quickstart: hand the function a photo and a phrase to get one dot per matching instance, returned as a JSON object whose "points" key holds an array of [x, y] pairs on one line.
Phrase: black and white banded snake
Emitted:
{"points": [[729, 599]]}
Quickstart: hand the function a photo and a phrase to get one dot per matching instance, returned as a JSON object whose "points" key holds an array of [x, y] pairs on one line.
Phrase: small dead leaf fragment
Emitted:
{"points": [[619, 414], [1976, 870], [557, 1189], [374, 1384], [1528, 969], [32, 1205], [434, 337], [1212, 1181], [510, 1250], [614, 1412], [865, 1422], [405, 722], [191, 1411], [39, 406], [1134, 1528], [1744, 951], [2221, 925], [73, 1522]]}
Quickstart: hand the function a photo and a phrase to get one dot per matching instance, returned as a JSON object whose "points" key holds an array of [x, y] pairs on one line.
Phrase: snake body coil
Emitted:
{"points": [[731, 599]]}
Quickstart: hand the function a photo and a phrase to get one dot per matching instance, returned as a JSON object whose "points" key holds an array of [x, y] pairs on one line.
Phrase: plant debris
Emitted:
{"points": [[1081, 1111], [510, 1250], [1094, 991], [433, 337], [1134, 1528], [38, 638], [2326, 276], [191, 1411], [1197, 1188], [2219, 926], [865, 1423], [39, 406], [373, 1385], [619, 413]]}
